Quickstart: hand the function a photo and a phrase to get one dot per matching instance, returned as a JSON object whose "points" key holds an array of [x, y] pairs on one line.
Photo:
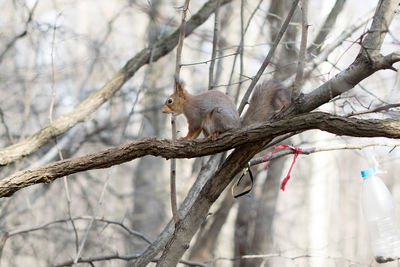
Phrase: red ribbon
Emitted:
{"points": [[296, 150]]}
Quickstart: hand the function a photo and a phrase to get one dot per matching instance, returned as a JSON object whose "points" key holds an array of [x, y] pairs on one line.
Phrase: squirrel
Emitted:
{"points": [[214, 112]]}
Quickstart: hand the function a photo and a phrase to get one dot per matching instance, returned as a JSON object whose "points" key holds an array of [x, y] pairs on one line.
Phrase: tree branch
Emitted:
{"points": [[372, 42], [296, 90], [311, 150], [201, 147], [117, 256], [96, 99], [342, 82], [368, 61], [174, 205]]}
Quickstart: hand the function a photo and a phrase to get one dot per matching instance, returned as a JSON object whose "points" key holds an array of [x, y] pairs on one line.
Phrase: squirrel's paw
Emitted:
{"points": [[212, 136]]}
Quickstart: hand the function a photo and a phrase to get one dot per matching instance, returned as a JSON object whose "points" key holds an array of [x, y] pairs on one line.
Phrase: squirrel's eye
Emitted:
{"points": [[170, 101]]}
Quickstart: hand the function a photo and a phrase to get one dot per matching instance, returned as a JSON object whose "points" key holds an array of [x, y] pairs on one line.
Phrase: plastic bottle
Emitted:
{"points": [[379, 213]]}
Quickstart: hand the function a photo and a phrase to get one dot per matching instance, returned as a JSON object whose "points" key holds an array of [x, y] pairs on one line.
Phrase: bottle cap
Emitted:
{"points": [[368, 172]]}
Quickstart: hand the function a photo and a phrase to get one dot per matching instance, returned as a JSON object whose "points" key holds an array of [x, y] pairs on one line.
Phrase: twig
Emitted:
{"points": [[321, 56], [302, 53], [174, 205], [378, 109], [311, 150], [138, 91], [99, 203], [214, 47], [12, 233], [207, 61], [269, 56], [125, 257], [240, 47], [293, 258], [60, 155], [53, 91], [3, 121], [20, 35], [241, 50]]}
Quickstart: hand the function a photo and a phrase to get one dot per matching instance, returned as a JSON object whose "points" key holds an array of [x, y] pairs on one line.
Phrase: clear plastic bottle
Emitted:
{"points": [[379, 212]]}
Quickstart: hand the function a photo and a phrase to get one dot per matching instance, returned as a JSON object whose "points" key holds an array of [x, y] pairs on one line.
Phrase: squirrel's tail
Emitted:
{"points": [[268, 98]]}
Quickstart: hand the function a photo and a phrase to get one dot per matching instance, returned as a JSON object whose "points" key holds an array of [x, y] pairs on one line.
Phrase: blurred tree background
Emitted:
{"points": [[55, 54]]}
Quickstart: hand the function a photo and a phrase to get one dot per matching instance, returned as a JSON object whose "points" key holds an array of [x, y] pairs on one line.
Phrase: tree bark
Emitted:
{"points": [[200, 147]]}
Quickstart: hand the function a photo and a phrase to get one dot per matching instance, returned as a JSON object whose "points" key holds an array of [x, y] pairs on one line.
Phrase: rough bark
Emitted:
{"points": [[345, 80], [188, 225], [206, 240], [200, 147], [162, 239]]}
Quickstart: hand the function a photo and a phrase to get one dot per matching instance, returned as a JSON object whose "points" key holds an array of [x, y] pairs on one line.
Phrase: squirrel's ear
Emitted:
{"points": [[179, 88]]}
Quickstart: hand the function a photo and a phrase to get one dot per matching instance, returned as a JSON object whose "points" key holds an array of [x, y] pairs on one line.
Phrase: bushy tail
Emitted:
{"points": [[268, 98]]}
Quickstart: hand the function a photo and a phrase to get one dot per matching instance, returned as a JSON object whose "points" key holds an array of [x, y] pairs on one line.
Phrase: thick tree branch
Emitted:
{"points": [[201, 147], [191, 221], [372, 42], [96, 99], [343, 81], [368, 61]]}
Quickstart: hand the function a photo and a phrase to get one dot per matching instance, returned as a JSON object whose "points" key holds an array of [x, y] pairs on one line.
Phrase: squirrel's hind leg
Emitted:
{"points": [[213, 136], [192, 134]]}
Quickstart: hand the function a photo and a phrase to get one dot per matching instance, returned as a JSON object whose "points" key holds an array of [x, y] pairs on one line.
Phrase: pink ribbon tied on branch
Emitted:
{"points": [[296, 150]]}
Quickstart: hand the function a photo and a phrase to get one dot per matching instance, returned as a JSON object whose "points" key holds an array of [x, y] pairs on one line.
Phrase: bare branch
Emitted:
{"points": [[85, 236], [303, 51], [174, 205], [378, 109], [6, 128], [214, 47], [343, 81], [201, 147], [240, 47], [372, 42], [117, 256], [20, 35], [207, 61], [311, 150], [97, 219], [329, 48]]}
